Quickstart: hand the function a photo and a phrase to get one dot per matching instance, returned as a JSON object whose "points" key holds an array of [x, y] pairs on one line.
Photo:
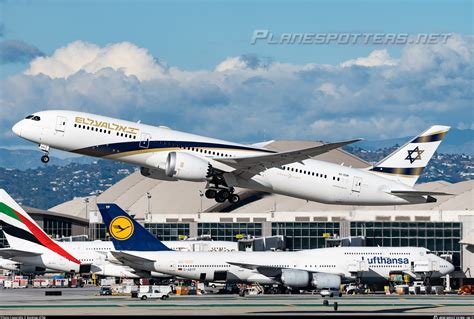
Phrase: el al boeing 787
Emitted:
{"points": [[166, 154]]}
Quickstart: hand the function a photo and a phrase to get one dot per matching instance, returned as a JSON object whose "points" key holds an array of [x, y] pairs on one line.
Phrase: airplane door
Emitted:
{"points": [[145, 140], [357, 184], [61, 124]]}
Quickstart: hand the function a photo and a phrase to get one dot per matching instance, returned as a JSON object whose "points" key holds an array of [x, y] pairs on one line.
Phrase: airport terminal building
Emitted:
{"points": [[177, 210]]}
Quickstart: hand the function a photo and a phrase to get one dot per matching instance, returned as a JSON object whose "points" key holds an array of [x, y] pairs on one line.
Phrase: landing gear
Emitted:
{"points": [[45, 149], [219, 189], [234, 198], [335, 304], [223, 194], [211, 193]]}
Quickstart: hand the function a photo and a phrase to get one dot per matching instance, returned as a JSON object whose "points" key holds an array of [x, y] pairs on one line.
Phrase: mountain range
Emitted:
{"points": [[455, 142]]}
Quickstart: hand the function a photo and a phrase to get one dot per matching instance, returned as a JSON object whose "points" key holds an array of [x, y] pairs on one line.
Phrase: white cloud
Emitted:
{"points": [[231, 63], [387, 127], [245, 96], [375, 58], [125, 57]]}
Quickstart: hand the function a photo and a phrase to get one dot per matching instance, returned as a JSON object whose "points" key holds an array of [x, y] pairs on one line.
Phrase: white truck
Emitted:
{"points": [[154, 292], [418, 287]]}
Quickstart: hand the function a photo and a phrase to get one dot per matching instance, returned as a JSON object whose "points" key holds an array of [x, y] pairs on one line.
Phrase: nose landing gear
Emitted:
{"points": [[45, 149], [45, 159]]}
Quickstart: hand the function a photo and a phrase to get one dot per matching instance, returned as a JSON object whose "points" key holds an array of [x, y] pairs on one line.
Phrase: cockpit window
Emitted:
{"points": [[33, 117]]}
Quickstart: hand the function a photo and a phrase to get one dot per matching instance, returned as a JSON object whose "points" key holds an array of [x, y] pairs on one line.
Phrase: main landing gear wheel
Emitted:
{"points": [[234, 198], [45, 159], [222, 196], [211, 193]]}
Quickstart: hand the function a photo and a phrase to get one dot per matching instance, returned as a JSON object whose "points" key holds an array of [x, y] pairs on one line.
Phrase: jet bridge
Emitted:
{"points": [[262, 243]]}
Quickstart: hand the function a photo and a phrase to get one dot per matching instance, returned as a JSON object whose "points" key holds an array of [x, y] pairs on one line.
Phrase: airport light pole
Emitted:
{"points": [[86, 201], [148, 196], [201, 194]]}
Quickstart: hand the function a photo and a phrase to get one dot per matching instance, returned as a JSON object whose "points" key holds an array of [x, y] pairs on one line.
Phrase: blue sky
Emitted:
{"points": [[407, 88], [200, 34]]}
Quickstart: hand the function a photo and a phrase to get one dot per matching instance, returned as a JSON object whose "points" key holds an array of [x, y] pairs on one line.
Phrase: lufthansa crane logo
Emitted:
{"points": [[121, 228]]}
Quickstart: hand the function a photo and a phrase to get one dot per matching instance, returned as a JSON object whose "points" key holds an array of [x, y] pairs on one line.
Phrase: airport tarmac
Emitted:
{"points": [[85, 301]]}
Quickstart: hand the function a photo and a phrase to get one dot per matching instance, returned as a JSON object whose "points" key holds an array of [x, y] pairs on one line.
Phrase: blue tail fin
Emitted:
{"points": [[126, 233]]}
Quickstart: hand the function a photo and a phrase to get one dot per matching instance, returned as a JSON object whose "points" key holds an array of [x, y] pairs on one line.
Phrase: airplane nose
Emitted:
{"points": [[17, 128], [450, 268]]}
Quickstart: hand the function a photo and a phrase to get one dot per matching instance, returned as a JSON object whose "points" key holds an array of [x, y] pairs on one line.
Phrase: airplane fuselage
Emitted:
{"points": [[149, 147], [372, 264]]}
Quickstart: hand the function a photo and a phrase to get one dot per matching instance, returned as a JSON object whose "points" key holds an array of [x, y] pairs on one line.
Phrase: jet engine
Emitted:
{"points": [[321, 280], [295, 278], [187, 167]]}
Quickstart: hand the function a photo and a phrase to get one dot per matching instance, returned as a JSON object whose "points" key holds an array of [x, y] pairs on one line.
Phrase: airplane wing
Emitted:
{"points": [[270, 271], [130, 259], [419, 193], [264, 270], [11, 253], [257, 164]]}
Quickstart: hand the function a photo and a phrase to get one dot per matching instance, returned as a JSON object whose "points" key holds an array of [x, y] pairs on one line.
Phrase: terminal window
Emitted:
{"points": [[439, 237], [305, 235], [57, 228], [168, 231], [230, 231]]}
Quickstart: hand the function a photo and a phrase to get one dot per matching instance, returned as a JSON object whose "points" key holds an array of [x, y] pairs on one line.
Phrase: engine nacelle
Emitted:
{"points": [[186, 167], [326, 281], [156, 173], [295, 278]]}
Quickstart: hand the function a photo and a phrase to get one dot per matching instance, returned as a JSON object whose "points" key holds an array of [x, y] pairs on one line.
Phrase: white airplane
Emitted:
{"points": [[32, 250], [306, 269], [166, 154]]}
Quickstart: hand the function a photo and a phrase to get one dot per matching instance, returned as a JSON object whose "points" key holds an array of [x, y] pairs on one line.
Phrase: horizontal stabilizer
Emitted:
{"points": [[11, 253], [419, 193]]}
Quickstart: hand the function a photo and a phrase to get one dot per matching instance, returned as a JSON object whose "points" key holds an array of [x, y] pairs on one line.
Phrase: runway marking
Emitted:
{"points": [[164, 305]]}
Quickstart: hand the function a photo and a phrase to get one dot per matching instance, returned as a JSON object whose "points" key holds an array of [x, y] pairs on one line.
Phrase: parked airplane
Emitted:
{"points": [[32, 250], [171, 155], [307, 269]]}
